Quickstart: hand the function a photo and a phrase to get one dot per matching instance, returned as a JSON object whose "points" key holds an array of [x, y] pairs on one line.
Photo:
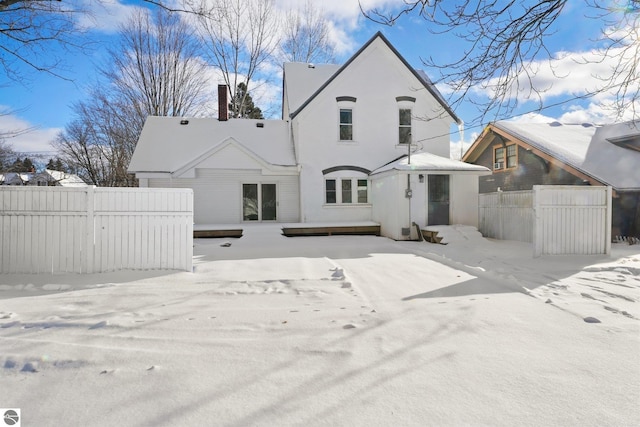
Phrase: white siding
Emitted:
{"points": [[375, 78], [390, 207], [85, 230], [218, 194], [464, 200]]}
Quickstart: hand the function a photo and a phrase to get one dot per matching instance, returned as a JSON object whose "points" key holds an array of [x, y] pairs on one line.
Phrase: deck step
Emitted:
{"points": [[431, 236]]}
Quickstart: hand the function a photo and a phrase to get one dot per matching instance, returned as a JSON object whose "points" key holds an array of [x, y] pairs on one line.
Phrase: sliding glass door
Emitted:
{"points": [[259, 202]]}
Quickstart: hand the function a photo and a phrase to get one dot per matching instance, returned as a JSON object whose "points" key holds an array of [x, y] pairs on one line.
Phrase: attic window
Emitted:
{"points": [[505, 157], [260, 125], [632, 142]]}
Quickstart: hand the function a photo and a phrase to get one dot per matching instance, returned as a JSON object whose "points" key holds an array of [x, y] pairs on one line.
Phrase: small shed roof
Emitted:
{"points": [[167, 144], [427, 162]]}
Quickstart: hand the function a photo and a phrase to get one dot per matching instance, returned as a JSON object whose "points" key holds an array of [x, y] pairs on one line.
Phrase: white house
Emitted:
{"points": [[340, 153]]}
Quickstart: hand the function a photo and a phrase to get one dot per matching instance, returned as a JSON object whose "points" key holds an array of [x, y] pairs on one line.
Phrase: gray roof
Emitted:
{"points": [[165, 145], [586, 148]]}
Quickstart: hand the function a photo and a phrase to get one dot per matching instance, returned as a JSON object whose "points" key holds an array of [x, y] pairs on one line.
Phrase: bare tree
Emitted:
{"points": [[7, 154], [306, 36], [239, 37], [156, 67], [28, 31], [503, 39], [154, 71]]}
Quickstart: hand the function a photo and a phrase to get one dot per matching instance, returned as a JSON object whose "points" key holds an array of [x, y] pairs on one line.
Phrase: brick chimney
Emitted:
{"points": [[223, 103]]}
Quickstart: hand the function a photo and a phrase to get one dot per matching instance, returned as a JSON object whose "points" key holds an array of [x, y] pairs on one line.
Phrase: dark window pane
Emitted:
{"points": [[346, 133], [405, 117], [362, 191], [346, 191], [511, 156], [268, 202], [330, 190], [250, 202], [346, 117], [405, 135]]}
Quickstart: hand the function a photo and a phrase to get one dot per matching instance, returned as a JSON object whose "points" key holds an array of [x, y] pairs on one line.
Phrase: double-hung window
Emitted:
{"points": [[404, 126], [346, 124], [505, 157], [405, 105], [512, 156], [346, 107]]}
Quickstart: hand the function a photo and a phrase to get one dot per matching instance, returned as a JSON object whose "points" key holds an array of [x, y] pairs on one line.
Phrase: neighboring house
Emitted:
{"points": [[525, 154], [338, 155], [15, 178], [44, 178], [50, 177]]}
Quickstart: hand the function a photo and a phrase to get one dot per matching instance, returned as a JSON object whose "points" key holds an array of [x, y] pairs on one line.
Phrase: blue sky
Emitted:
{"points": [[44, 102]]}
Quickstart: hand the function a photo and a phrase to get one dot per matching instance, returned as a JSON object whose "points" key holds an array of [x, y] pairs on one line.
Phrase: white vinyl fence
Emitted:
{"points": [[507, 215], [92, 230], [558, 220]]}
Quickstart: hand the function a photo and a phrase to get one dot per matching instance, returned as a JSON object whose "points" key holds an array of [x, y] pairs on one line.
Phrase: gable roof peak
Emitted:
{"points": [[426, 82]]}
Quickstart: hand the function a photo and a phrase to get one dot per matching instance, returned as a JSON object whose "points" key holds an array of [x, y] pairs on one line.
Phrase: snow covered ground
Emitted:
{"points": [[341, 330]]}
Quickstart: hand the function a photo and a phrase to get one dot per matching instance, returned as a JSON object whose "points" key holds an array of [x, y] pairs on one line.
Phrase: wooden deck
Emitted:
{"points": [[217, 233], [331, 230]]}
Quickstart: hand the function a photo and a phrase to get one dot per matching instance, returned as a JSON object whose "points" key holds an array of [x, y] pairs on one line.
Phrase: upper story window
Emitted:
{"points": [[505, 157], [346, 124], [404, 126], [405, 113], [346, 107]]}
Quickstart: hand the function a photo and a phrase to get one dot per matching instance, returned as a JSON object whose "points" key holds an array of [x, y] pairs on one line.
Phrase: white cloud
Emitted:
{"points": [[106, 15], [29, 139]]}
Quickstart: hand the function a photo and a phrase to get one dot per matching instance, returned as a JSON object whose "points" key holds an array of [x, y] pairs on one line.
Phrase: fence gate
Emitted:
{"points": [[571, 220]]}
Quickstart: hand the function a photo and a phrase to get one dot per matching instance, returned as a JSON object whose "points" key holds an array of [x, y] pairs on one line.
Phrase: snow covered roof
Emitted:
{"points": [[586, 148], [62, 178], [427, 162], [315, 85], [167, 144], [301, 80]]}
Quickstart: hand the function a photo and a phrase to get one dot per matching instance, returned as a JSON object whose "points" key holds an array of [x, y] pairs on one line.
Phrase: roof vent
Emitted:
{"points": [[259, 125], [184, 122], [555, 124], [311, 66]]}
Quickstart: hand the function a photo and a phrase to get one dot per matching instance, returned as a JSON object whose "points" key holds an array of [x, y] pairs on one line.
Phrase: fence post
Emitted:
{"points": [[609, 195], [537, 225], [89, 231]]}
